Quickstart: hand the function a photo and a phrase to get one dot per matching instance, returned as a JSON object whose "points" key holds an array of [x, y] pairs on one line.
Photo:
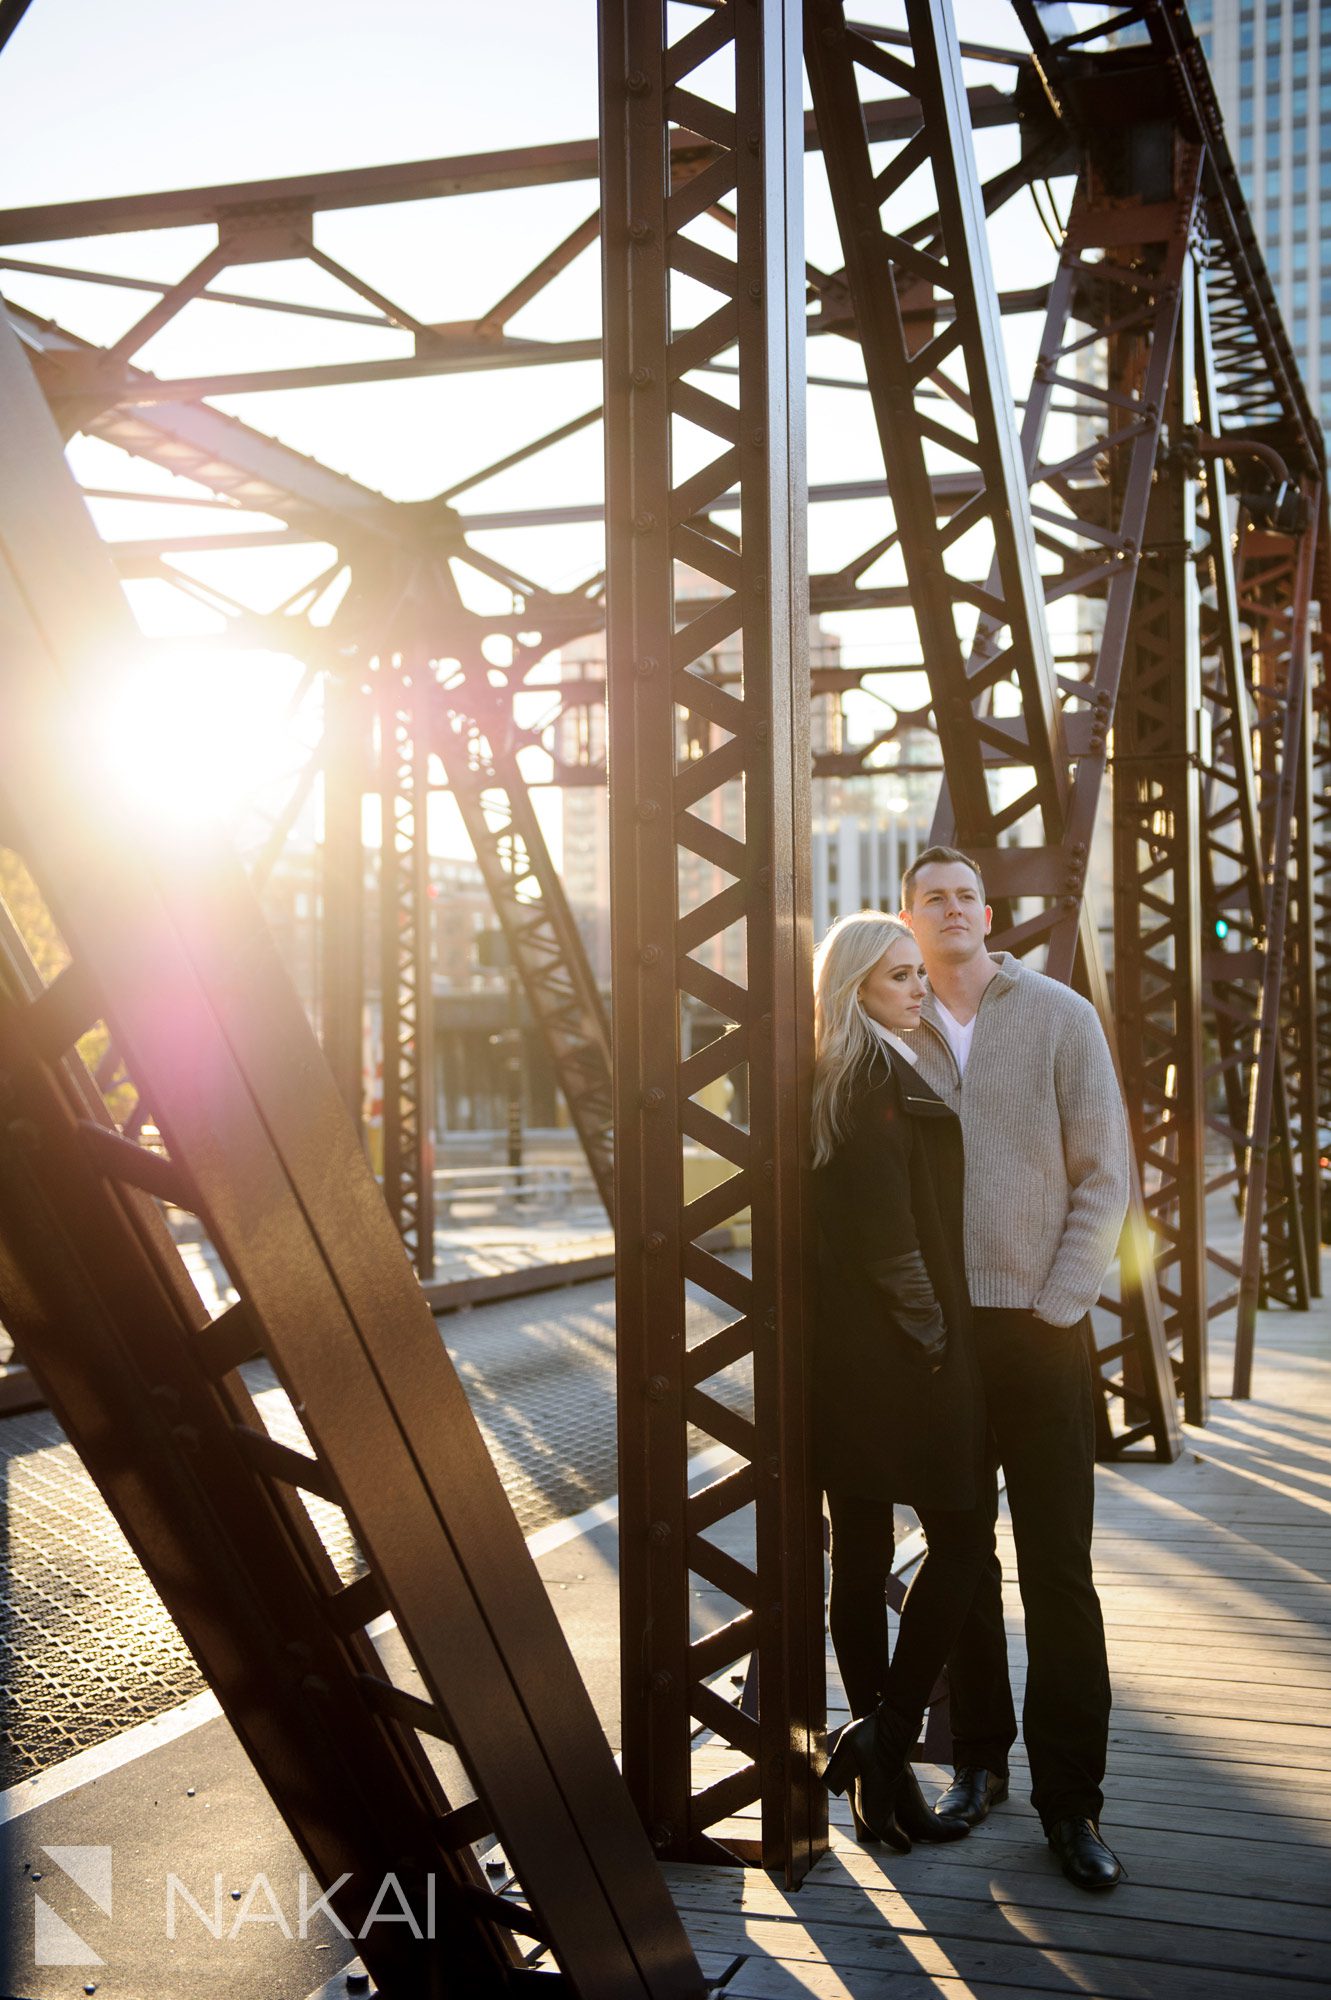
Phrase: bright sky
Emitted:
{"points": [[150, 94]]}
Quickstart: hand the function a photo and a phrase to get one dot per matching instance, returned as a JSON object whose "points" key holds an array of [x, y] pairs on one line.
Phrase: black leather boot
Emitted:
{"points": [[917, 1818], [858, 1769]]}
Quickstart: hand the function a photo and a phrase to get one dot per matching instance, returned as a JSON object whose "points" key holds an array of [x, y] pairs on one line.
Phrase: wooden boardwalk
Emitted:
{"points": [[1215, 1575]]}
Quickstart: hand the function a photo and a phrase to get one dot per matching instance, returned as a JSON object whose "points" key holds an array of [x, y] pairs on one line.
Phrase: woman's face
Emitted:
{"points": [[894, 991]]}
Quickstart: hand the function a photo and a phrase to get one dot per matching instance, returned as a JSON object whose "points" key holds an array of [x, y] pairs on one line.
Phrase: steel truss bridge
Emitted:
{"points": [[1112, 575]]}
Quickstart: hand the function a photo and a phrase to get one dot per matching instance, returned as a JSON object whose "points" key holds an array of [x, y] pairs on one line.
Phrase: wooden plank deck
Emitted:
{"points": [[1215, 1575]]}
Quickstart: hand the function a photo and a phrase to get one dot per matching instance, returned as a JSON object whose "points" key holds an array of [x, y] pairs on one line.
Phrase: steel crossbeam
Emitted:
{"points": [[168, 948], [710, 902]]}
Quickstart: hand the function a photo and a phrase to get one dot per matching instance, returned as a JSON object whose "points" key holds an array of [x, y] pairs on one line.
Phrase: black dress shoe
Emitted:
{"points": [[1082, 1855], [915, 1817], [971, 1794], [858, 1768]]}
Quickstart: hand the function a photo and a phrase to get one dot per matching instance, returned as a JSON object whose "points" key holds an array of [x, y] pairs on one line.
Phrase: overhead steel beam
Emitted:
{"points": [[305, 195]]}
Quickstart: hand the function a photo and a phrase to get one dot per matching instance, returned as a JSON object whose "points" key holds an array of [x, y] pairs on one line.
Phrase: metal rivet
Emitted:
{"points": [[644, 523], [646, 666], [654, 1098], [661, 1834], [756, 290], [662, 1681], [659, 1534], [636, 83], [656, 1387], [649, 809], [650, 955], [641, 377], [640, 232], [655, 1242]]}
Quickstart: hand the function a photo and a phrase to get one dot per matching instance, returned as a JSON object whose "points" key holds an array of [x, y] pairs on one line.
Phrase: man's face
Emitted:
{"points": [[948, 918]]}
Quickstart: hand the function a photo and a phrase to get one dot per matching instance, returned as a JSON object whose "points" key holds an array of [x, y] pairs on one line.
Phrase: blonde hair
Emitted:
{"points": [[843, 1040]]}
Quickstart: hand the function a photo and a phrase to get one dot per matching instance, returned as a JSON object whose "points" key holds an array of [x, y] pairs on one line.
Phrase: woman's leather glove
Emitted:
{"points": [[905, 1284]]}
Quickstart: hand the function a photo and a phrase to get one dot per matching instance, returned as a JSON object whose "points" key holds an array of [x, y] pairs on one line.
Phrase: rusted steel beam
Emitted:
{"points": [[303, 195], [169, 947], [473, 740], [406, 964], [1278, 586], [710, 839], [1157, 876], [1233, 872], [1300, 1046]]}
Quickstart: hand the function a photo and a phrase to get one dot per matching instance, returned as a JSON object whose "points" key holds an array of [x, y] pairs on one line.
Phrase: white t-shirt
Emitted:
{"points": [[959, 1037]]}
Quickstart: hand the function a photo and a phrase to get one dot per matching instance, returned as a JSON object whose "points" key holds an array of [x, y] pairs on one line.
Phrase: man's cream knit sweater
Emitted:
{"points": [[1046, 1143]]}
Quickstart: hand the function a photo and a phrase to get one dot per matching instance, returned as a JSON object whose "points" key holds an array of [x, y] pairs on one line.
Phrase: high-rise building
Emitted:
{"points": [[1271, 61]]}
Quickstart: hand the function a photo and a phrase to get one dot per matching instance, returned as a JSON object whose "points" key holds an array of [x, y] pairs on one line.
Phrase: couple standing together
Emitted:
{"points": [[953, 1338]]}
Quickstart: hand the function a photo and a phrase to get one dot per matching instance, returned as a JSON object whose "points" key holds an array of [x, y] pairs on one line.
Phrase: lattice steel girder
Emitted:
{"points": [[980, 634], [473, 739], [169, 948], [1299, 1033], [1279, 594], [709, 784], [1157, 871], [1233, 879], [411, 609], [406, 965]]}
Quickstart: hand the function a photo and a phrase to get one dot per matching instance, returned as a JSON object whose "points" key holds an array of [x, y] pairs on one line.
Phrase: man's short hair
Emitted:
{"points": [[926, 860]]}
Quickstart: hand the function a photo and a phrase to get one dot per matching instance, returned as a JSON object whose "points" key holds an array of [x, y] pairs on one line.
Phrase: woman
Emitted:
{"points": [[898, 1412]]}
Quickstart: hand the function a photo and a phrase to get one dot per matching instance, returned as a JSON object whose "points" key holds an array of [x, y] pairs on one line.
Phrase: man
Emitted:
{"points": [[1024, 1061]]}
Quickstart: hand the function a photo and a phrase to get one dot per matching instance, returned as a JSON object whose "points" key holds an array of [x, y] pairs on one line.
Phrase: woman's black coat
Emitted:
{"points": [[884, 1426]]}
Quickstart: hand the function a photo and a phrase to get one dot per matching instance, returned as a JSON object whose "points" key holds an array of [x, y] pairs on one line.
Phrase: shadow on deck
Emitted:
{"points": [[1215, 1576]]}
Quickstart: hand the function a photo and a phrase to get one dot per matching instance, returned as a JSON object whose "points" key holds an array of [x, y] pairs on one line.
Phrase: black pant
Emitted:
{"points": [[1038, 1390], [960, 1545]]}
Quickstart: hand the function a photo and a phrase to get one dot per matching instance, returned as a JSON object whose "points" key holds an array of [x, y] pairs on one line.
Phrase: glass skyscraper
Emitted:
{"points": [[1271, 61]]}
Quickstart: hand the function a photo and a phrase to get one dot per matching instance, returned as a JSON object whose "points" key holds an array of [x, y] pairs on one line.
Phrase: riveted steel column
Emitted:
{"points": [[405, 968], [709, 831], [1157, 874], [1282, 672]]}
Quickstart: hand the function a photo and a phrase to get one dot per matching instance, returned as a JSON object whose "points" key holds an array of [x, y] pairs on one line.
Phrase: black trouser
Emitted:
{"points": [[960, 1544], [1038, 1391]]}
